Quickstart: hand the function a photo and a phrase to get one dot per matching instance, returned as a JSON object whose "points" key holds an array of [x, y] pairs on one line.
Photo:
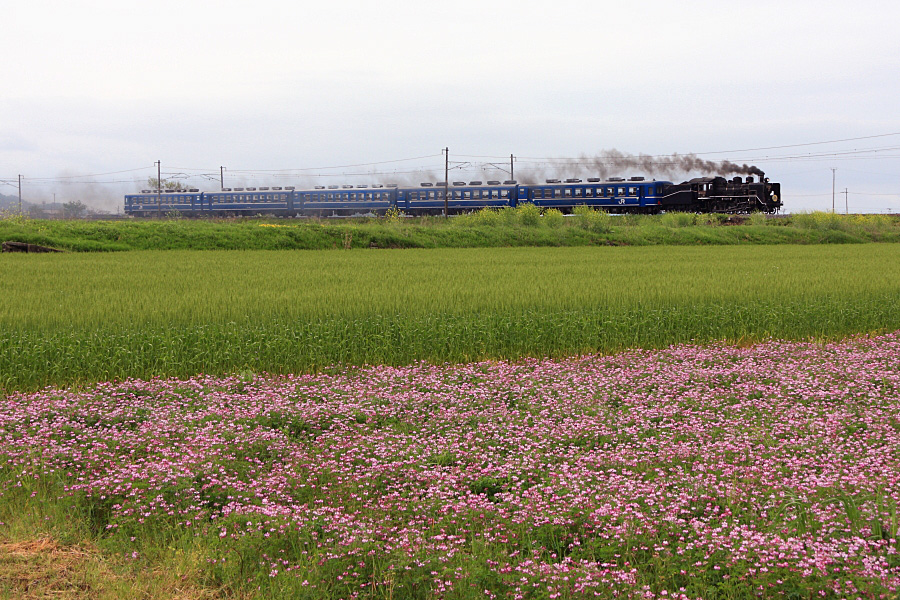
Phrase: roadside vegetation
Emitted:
{"points": [[523, 226]]}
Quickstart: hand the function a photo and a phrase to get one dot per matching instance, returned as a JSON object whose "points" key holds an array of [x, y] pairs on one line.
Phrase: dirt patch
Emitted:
{"points": [[23, 247], [42, 568]]}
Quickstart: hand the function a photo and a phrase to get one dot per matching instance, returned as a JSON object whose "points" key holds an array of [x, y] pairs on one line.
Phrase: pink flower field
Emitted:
{"points": [[693, 472]]}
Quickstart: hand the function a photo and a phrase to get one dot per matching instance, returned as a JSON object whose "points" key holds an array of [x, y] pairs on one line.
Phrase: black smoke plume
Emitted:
{"points": [[610, 163]]}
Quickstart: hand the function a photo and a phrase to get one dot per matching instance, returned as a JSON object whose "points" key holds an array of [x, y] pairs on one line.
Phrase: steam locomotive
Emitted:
{"points": [[615, 195]]}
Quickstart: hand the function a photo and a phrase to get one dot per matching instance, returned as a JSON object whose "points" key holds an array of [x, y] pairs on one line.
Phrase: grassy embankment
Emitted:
{"points": [[76, 318], [521, 227]]}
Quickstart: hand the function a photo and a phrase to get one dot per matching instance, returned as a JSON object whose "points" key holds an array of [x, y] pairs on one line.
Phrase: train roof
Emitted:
{"points": [[164, 192], [436, 184], [596, 181]]}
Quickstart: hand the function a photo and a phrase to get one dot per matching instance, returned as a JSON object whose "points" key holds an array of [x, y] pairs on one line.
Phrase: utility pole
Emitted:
{"points": [[447, 182], [222, 179], [512, 174], [846, 203], [158, 190], [20, 194], [832, 189]]}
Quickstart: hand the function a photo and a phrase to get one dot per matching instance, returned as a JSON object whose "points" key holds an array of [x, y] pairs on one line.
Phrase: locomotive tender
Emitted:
{"points": [[614, 195]]}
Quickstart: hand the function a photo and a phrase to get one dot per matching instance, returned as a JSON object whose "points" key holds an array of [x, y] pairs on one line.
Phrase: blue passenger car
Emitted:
{"points": [[613, 195], [344, 200], [249, 201], [462, 197], [150, 202]]}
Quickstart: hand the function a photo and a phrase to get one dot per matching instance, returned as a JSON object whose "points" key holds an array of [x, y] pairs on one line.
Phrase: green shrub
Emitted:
{"points": [[486, 216], [711, 219], [554, 218], [874, 224], [529, 214], [825, 221], [508, 216], [634, 220], [597, 221], [757, 218], [679, 219], [394, 215]]}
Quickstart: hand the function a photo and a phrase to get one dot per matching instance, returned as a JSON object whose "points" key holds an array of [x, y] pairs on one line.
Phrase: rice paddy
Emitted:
{"points": [[82, 318]]}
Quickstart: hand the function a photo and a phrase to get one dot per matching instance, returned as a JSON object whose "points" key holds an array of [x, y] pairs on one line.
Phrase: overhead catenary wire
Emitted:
{"points": [[61, 177], [781, 147], [671, 159], [896, 194], [205, 171], [663, 161], [853, 139], [351, 166]]}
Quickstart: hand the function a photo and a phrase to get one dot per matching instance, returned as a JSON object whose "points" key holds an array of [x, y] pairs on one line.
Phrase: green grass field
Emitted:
{"points": [[524, 226], [77, 318]]}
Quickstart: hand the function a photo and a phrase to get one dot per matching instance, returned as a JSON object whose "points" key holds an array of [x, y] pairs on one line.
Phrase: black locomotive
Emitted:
{"points": [[719, 195]]}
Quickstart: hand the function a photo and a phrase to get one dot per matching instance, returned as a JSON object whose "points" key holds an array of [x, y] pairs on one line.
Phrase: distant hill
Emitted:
{"points": [[46, 210], [11, 202]]}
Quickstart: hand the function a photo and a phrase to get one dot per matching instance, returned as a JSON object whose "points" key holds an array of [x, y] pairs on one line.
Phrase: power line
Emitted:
{"points": [[383, 162], [828, 195], [61, 177], [533, 159], [64, 178], [195, 168], [854, 139], [781, 147], [109, 181], [674, 159], [665, 160]]}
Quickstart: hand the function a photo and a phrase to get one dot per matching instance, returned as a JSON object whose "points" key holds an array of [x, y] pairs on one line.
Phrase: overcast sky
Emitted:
{"points": [[93, 88]]}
